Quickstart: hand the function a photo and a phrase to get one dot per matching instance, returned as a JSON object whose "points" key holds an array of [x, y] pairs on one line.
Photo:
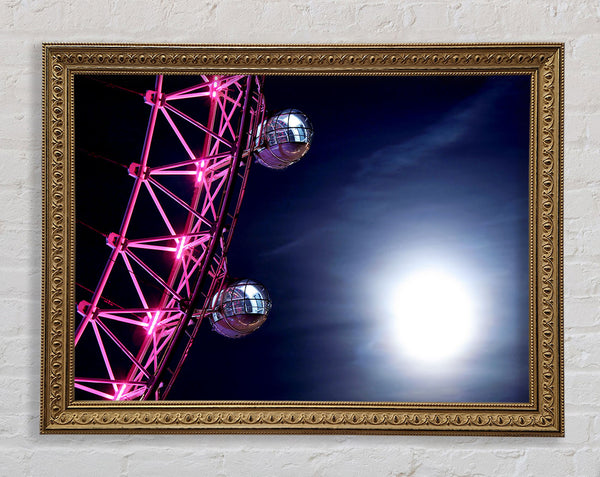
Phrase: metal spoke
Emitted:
{"points": [[195, 250]]}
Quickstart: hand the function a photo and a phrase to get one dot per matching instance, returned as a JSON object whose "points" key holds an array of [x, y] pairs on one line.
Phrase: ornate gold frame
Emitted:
{"points": [[542, 416]]}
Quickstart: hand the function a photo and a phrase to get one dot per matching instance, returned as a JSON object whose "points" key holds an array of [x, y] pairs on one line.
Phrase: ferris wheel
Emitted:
{"points": [[135, 342]]}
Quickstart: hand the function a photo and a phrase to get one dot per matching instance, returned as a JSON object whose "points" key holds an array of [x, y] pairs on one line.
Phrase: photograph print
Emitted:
{"points": [[339, 238]]}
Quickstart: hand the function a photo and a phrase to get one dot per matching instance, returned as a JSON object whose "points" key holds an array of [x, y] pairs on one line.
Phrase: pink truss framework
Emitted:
{"points": [[139, 347]]}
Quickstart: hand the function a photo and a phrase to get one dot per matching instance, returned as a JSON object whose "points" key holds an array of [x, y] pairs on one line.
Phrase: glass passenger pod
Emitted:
{"points": [[284, 139], [240, 308]]}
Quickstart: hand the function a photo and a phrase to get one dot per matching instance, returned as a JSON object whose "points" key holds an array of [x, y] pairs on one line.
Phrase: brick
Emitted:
{"points": [[19, 355], [548, 462], [469, 462], [551, 16], [590, 241], [581, 312], [159, 461], [483, 16], [21, 205], [584, 49], [587, 462], [19, 86], [15, 392], [580, 241], [584, 14], [580, 202], [94, 16], [18, 426], [582, 352], [576, 129], [595, 430], [580, 92], [581, 167], [89, 462], [7, 15], [17, 167], [577, 429], [271, 20], [15, 251], [27, 130], [13, 50], [581, 390], [593, 129], [186, 16], [326, 15], [431, 16], [22, 315], [18, 283], [43, 15], [26, 23], [379, 17], [581, 278], [321, 462], [574, 241], [15, 460]]}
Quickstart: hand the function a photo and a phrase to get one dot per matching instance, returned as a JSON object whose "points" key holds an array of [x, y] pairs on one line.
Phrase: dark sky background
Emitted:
{"points": [[403, 173]]}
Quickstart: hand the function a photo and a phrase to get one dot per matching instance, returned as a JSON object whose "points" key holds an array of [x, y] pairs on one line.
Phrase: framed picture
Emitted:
{"points": [[302, 239]]}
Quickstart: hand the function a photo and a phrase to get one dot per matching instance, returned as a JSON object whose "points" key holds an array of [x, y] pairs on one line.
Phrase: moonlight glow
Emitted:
{"points": [[433, 316]]}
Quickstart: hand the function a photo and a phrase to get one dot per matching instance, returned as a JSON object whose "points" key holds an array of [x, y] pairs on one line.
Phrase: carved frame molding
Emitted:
{"points": [[542, 416]]}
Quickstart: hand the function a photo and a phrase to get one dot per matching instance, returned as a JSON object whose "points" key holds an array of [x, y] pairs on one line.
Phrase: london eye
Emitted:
{"points": [[164, 267]]}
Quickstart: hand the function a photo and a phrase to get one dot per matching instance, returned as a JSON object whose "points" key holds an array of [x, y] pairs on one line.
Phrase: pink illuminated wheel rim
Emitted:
{"points": [[139, 347]]}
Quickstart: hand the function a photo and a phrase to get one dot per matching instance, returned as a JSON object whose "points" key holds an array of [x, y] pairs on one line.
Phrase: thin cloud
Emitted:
{"points": [[301, 240], [452, 127]]}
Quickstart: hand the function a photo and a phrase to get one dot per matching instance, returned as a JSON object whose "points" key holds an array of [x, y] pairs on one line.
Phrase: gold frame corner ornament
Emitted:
{"points": [[542, 416]]}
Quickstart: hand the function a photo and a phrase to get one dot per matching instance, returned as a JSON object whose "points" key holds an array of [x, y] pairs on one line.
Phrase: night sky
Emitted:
{"points": [[404, 174]]}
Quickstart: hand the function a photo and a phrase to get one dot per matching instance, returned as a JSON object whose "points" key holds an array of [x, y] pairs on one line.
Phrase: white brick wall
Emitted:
{"points": [[27, 23]]}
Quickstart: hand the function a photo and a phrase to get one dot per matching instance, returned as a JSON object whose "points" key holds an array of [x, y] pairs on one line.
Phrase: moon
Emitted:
{"points": [[434, 316]]}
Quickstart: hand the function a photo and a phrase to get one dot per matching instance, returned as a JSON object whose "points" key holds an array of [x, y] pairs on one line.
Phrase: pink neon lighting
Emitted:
{"points": [[154, 321], [201, 172], [94, 391], [180, 247], [213, 166], [120, 393], [128, 213]]}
